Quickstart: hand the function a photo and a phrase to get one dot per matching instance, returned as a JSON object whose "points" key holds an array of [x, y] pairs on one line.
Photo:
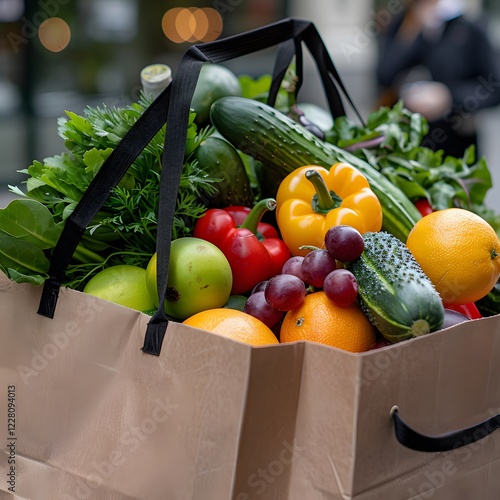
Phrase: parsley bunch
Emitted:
{"points": [[124, 231]]}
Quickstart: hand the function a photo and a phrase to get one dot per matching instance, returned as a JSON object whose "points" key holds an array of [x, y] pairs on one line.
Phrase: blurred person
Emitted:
{"points": [[441, 65]]}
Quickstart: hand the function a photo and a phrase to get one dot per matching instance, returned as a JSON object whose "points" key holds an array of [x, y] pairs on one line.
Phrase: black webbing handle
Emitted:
{"points": [[288, 34], [412, 439], [109, 175]]}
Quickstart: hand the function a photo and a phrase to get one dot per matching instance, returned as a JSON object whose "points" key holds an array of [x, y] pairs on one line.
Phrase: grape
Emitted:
{"points": [[294, 266], [380, 343], [344, 243], [258, 307], [285, 292], [341, 287], [261, 286], [316, 265]]}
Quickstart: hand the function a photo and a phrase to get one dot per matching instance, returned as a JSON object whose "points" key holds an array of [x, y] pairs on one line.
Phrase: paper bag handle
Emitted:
{"points": [[412, 439], [289, 34]]}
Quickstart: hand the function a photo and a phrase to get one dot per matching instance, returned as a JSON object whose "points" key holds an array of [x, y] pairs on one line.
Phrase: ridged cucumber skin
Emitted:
{"points": [[395, 294], [277, 141]]}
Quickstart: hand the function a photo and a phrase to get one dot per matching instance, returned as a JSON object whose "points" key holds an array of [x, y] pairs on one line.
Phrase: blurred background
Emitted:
{"points": [[59, 55]]}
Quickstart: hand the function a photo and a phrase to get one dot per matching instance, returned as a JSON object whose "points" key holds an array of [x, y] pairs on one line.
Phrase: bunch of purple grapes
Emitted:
{"points": [[320, 269]]}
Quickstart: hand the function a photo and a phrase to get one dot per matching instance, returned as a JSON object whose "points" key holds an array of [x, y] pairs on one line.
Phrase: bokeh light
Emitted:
{"points": [[191, 24], [54, 34]]}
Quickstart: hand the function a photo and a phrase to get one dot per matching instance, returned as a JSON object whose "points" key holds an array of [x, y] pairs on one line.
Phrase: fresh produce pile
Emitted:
{"points": [[288, 226]]}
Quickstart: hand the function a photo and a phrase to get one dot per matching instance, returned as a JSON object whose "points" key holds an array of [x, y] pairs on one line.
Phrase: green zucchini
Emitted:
{"points": [[281, 143], [489, 305], [394, 293]]}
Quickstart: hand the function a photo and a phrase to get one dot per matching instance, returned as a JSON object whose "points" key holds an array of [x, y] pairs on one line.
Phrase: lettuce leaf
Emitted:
{"points": [[418, 171]]}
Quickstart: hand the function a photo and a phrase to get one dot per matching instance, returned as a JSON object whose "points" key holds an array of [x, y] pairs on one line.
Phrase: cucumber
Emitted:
{"points": [[489, 305], [394, 293], [281, 143], [221, 160], [214, 81]]}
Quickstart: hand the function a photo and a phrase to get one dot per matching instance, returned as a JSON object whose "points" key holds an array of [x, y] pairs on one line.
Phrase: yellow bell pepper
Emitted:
{"points": [[312, 199]]}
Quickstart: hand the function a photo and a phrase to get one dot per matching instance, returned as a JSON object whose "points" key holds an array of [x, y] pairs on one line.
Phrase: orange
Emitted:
{"points": [[318, 319], [233, 324], [459, 252]]}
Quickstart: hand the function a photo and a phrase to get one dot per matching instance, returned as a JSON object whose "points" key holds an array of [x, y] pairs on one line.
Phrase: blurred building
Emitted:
{"points": [[61, 55]]}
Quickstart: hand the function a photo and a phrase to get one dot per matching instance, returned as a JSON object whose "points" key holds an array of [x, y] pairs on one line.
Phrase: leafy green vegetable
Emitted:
{"points": [[258, 89], [391, 142], [124, 231], [30, 221], [22, 261]]}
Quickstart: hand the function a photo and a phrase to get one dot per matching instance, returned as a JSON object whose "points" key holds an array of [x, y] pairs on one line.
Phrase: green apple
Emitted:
{"points": [[122, 284], [199, 278]]}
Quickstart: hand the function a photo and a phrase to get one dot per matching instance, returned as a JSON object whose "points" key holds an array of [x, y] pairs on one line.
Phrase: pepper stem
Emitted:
{"points": [[323, 200], [259, 209]]}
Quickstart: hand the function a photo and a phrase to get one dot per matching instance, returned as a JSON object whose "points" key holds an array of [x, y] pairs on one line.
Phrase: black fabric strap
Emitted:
{"points": [[289, 34], [183, 87], [328, 73], [412, 439], [284, 57], [127, 150]]}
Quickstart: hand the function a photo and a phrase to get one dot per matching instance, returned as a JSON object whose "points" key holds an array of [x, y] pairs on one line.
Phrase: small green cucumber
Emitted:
{"points": [[395, 294], [214, 81], [281, 143], [219, 159]]}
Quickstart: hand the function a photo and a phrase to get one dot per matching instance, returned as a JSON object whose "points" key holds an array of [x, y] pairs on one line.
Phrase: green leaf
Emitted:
{"points": [[19, 277], [31, 222], [479, 181], [417, 170], [64, 173], [258, 89], [409, 187], [254, 87], [76, 122], [94, 159], [22, 257]]}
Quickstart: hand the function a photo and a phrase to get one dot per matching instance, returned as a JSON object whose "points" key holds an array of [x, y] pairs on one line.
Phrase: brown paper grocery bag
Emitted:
{"points": [[103, 402], [442, 382], [7, 495], [110, 403], [345, 445], [94, 417]]}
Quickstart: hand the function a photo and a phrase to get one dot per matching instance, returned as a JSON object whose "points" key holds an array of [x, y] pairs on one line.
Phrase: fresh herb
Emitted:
{"points": [[124, 231]]}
